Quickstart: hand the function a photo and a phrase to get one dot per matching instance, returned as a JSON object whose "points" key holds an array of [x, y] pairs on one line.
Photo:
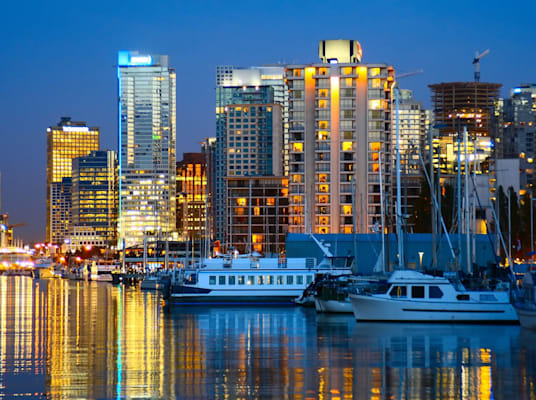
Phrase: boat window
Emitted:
{"points": [[398, 291], [488, 297], [279, 279], [434, 292], [309, 279], [270, 280], [290, 279], [212, 280], [299, 280], [251, 280], [463, 297], [417, 292], [241, 279], [260, 280], [232, 280], [221, 280]]}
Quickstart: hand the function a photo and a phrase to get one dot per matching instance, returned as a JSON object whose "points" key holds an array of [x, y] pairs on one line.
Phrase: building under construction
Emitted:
{"points": [[464, 104]]}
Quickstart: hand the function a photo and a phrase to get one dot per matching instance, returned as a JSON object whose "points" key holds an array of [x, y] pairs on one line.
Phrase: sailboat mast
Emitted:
{"points": [[398, 186], [382, 211], [467, 220]]}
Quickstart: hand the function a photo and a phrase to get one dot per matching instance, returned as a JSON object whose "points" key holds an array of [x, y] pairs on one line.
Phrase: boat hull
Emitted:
{"points": [[371, 308], [333, 306], [527, 317], [193, 296]]}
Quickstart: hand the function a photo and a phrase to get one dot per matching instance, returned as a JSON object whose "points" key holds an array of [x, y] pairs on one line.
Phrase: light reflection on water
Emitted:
{"points": [[68, 339]]}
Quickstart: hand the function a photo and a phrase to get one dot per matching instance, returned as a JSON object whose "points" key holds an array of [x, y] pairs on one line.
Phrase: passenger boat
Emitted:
{"points": [[251, 280], [526, 305], [44, 269], [414, 296]]}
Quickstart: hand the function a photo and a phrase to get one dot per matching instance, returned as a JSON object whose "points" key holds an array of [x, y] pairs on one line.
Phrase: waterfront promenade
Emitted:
{"points": [[62, 339]]}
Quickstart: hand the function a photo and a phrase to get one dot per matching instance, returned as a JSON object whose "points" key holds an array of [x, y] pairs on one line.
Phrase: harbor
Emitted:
{"points": [[84, 339]]}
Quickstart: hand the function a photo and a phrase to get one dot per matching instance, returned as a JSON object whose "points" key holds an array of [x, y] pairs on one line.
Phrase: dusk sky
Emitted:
{"points": [[58, 59]]}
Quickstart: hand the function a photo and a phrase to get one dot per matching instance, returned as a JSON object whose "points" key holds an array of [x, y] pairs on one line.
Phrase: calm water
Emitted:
{"points": [[66, 339]]}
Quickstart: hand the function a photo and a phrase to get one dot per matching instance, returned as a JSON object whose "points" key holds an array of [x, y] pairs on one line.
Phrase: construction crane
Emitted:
{"points": [[406, 74], [476, 61]]}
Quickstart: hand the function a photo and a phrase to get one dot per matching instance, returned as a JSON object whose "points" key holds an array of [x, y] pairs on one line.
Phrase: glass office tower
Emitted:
{"points": [[66, 141], [147, 134]]}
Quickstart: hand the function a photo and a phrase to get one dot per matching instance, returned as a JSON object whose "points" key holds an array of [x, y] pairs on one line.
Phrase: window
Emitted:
{"points": [[299, 280], [212, 280], [434, 292], [251, 280], [232, 279], [309, 279], [463, 297], [417, 292], [260, 280], [241, 280], [221, 280], [398, 291], [270, 280], [488, 297], [279, 279], [290, 280]]}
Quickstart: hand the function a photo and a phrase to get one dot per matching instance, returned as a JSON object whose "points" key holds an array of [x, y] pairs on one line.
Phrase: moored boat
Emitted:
{"points": [[525, 306], [414, 296]]}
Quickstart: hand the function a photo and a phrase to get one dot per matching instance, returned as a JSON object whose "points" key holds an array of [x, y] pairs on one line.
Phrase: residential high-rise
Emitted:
{"points": [[192, 196], [60, 218], [147, 135], [66, 141], [464, 104], [339, 123], [94, 196], [257, 87]]}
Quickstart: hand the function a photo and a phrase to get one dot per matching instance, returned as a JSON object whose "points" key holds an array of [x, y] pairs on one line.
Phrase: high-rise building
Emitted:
{"points": [[208, 147], [147, 135], [192, 196], [339, 123], [94, 196], [60, 217], [66, 141], [464, 104], [243, 87]]}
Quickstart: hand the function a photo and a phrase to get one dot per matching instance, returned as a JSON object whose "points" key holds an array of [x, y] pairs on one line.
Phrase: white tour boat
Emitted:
{"points": [[251, 280], [414, 296]]}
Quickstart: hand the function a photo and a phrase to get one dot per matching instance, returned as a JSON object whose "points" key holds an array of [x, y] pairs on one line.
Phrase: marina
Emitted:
{"points": [[126, 344]]}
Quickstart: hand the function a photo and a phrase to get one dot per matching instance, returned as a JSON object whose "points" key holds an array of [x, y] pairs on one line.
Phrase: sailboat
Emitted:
{"points": [[415, 296]]}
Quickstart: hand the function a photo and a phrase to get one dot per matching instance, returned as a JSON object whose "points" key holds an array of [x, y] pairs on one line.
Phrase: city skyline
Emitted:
{"points": [[74, 74]]}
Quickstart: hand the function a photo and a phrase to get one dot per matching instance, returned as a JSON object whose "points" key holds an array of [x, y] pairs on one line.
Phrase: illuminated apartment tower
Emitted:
{"points": [[339, 122], [192, 196], [464, 104], [94, 196], [65, 142], [255, 87], [147, 134]]}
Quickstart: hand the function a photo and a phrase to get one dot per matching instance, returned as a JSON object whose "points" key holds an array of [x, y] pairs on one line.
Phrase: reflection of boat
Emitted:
{"points": [[246, 280], [15, 261], [526, 306], [413, 296]]}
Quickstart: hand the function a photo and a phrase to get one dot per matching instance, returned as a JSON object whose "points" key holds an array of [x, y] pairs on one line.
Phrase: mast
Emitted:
{"points": [[467, 221], [432, 191], [398, 186], [382, 211], [459, 196]]}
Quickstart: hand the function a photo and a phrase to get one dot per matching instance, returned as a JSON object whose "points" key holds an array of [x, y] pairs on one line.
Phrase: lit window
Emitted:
{"points": [[297, 147], [375, 104], [347, 210], [374, 71], [347, 146]]}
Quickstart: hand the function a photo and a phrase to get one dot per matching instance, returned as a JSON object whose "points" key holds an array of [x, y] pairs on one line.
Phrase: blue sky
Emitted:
{"points": [[59, 56]]}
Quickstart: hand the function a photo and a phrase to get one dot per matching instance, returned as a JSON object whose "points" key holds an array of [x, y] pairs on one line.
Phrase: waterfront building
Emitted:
{"points": [[65, 141], [94, 199], [208, 148], [257, 212], [192, 197], [464, 104], [339, 123], [60, 216], [147, 135], [242, 87]]}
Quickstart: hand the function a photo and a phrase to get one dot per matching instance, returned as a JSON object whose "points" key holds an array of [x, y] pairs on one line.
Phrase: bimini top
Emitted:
{"points": [[408, 276]]}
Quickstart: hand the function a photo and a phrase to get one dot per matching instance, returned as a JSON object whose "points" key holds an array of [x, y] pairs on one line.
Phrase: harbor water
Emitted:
{"points": [[62, 339]]}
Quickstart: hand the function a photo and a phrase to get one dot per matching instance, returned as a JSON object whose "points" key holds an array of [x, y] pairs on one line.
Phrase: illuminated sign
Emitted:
{"points": [[133, 59], [75, 129]]}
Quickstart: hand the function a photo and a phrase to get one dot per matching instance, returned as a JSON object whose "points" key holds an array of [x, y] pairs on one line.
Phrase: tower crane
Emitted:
{"points": [[476, 61]]}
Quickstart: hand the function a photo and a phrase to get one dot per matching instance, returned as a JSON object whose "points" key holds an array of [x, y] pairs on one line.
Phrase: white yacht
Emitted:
{"points": [[526, 305], [250, 280], [414, 296]]}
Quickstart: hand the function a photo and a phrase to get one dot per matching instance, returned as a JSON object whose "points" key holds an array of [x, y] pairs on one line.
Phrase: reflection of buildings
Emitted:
{"points": [[65, 142]]}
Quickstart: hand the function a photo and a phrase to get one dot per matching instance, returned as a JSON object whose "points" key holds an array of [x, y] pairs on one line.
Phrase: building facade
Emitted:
{"points": [[192, 197], [243, 87], [60, 217], [95, 197], [65, 141], [339, 123], [257, 212], [147, 136]]}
